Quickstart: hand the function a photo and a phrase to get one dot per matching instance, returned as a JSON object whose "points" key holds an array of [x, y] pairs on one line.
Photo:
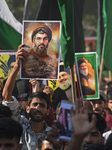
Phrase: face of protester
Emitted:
{"points": [[110, 104], [37, 109], [98, 106], [83, 69], [40, 43], [94, 137], [9, 144]]}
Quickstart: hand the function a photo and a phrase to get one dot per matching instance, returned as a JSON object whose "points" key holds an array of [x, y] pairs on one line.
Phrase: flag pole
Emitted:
{"points": [[26, 10], [74, 94], [101, 70], [110, 75]]}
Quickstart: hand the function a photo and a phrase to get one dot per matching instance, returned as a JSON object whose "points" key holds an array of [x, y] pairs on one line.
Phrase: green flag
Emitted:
{"points": [[107, 44], [10, 28], [67, 31]]}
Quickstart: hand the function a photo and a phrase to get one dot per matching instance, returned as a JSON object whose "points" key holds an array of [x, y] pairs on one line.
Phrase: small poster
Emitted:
{"points": [[22, 87], [88, 73], [42, 44], [64, 120]]}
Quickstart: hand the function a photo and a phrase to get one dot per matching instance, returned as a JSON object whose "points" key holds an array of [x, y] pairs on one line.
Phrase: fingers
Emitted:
{"points": [[21, 53], [79, 104], [82, 106], [33, 81]]}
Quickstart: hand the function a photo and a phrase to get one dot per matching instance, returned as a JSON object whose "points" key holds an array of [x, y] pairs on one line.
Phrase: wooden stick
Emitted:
{"points": [[74, 94], [110, 75], [101, 70]]}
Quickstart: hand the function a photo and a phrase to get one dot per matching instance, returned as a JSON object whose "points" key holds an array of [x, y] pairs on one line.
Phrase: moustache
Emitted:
{"points": [[63, 80], [38, 112], [40, 45]]}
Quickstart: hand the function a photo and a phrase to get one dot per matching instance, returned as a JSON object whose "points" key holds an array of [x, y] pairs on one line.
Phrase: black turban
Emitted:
{"points": [[44, 29]]}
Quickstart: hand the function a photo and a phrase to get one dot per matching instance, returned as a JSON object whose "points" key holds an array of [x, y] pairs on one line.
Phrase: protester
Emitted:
{"points": [[35, 129], [46, 89], [86, 131], [98, 105], [10, 133]]}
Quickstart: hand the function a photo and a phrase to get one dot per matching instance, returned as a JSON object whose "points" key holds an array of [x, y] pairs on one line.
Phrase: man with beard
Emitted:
{"points": [[87, 128], [34, 130], [63, 92], [41, 36], [87, 79]]}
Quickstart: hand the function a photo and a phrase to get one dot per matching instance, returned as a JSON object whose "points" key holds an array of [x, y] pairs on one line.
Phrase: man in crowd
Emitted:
{"points": [[98, 105], [87, 79], [87, 128], [34, 129], [10, 133]]}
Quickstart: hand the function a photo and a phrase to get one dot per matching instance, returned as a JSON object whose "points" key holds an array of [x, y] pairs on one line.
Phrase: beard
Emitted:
{"points": [[65, 86], [35, 118], [41, 51], [85, 73]]}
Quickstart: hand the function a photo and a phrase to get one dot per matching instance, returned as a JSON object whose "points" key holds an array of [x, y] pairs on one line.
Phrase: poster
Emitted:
{"points": [[22, 87], [88, 72], [42, 44], [64, 120]]}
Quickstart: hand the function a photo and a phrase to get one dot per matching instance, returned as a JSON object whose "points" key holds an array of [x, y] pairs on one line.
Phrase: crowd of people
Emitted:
{"points": [[38, 128]]}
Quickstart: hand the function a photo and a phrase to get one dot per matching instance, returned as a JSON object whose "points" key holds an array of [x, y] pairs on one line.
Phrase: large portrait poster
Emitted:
{"points": [[42, 44], [88, 73]]}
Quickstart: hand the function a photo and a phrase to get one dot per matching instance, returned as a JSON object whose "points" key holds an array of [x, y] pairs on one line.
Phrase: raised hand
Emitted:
{"points": [[80, 122]]}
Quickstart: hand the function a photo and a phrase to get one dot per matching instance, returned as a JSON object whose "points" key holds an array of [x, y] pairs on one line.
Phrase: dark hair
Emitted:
{"points": [[109, 96], [11, 59], [80, 61], [42, 29], [100, 123], [5, 111], [10, 128], [40, 95]]}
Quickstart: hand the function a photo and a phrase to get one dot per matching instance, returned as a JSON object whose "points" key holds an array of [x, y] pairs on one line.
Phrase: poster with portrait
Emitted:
{"points": [[88, 73], [64, 120], [63, 87], [22, 87], [42, 46]]}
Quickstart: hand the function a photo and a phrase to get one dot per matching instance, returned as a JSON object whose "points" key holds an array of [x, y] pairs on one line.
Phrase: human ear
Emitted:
{"points": [[27, 109]]}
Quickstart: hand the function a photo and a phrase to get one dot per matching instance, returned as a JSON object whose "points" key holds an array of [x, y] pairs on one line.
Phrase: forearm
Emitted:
{"points": [[9, 85]]}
